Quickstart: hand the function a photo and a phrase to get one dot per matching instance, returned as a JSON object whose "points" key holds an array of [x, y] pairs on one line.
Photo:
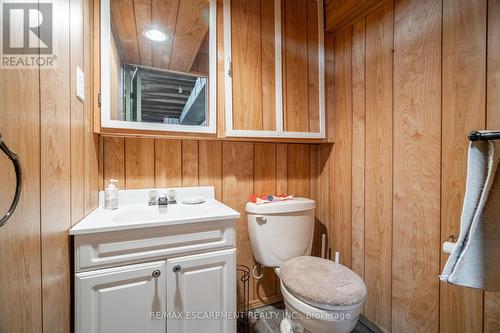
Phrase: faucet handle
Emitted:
{"points": [[153, 197], [171, 197], [162, 199]]}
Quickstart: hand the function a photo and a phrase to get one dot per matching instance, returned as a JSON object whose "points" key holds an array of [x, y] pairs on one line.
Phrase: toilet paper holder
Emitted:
{"points": [[450, 244]]}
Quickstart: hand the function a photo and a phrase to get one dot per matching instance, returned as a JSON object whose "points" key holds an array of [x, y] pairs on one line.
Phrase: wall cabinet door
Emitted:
{"points": [[121, 299], [201, 285], [274, 80]]}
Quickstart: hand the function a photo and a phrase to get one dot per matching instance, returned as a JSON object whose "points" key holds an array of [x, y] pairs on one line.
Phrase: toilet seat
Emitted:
{"points": [[322, 283], [337, 319]]}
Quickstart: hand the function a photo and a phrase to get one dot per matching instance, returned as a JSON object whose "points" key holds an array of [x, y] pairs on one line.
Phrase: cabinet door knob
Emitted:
{"points": [[177, 268], [156, 273]]}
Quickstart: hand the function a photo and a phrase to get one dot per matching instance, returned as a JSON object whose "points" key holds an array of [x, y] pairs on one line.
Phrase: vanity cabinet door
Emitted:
{"points": [[121, 299], [199, 286]]}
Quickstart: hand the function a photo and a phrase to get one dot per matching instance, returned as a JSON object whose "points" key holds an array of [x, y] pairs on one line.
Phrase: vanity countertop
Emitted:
{"points": [[133, 212]]}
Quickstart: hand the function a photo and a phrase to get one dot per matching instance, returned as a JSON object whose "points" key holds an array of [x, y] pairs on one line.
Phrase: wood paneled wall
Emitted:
{"points": [[51, 130], [237, 170], [412, 78], [253, 68]]}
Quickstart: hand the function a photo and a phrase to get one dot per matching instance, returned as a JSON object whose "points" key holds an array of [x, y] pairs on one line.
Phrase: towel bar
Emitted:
{"points": [[484, 135]]}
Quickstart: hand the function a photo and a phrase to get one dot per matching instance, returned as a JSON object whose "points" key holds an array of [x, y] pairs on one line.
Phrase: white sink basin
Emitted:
{"points": [[133, 213]]}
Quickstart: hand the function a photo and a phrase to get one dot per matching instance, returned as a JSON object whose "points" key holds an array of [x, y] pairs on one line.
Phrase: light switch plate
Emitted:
{"points": [[80, 83]]}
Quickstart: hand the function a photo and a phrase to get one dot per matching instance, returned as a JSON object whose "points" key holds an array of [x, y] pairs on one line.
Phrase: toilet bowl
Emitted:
{"points": [[320, 295]]}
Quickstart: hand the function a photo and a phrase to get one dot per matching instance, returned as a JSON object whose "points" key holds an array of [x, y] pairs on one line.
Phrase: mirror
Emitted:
{"points": [[158, 64]]}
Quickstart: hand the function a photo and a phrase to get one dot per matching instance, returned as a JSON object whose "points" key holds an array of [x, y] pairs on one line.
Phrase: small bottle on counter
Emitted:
{"points": [[111, 195]]}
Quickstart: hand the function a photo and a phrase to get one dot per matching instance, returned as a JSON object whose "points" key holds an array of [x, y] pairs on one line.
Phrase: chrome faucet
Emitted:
{"points": [[161, 199]]}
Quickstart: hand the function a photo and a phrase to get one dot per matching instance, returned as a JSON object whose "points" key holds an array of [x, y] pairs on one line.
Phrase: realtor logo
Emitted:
{"points": [[27, 34]]}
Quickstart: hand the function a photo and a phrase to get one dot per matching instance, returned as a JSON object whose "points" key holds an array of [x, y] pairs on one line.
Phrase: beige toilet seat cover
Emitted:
{"points": [[320, 281]]}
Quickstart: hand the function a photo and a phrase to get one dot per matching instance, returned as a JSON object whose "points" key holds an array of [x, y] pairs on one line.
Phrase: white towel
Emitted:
{"points": [[475, 260]]}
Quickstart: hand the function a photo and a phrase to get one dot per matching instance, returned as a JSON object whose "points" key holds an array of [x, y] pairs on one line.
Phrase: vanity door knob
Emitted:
{"points": [[156, 273], [177, 268]]}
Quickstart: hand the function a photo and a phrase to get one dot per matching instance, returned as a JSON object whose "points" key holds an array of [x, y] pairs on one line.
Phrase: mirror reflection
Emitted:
{"points": [[159, 61]]}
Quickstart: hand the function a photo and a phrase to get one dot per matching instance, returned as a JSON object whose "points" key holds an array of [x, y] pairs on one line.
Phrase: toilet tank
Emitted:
{"points": [[280, 231]]}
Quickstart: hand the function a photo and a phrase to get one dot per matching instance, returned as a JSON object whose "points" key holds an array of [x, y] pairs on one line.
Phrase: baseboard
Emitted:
{"points": [[372, 326], [265, 301]]}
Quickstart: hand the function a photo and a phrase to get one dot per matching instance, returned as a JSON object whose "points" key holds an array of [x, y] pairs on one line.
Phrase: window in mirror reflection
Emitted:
{"points": [[160, 61]]}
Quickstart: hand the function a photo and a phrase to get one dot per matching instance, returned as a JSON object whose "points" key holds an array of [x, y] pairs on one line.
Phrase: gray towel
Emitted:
{"points": [[475, 260]]}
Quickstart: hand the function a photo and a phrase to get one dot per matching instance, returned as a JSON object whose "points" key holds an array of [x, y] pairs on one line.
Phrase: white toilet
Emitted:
{"points": [[320, 295]]}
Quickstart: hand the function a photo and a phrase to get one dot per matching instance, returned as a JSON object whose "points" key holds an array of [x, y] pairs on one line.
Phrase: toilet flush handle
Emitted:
{"points": [[261, 219]]}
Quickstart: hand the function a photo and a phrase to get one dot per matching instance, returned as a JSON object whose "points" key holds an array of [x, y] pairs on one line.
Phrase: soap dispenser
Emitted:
{"points": [[111, 195]]}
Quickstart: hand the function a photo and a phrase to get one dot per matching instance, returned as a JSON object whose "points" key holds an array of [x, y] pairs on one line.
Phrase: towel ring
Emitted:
{"points": [[17, 168]]}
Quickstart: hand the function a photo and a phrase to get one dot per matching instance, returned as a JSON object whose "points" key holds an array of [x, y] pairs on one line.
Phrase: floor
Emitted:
{"points": [[267, 320]]}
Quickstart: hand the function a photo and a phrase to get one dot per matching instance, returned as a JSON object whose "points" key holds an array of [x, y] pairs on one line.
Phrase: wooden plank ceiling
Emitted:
{"points": [[184, 21]]}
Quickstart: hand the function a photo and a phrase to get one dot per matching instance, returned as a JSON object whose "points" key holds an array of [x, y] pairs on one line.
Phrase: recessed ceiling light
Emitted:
{"points": [[155, 35]]}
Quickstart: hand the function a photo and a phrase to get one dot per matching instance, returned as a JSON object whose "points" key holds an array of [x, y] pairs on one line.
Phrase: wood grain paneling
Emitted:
{"points": [[281, 169], [268, 65], [190, 163], [123, 11], [417, 181], [341, 198], [295, 69], [298, 170], [246, 64], [190, 30], [358, 147], [139, 163], [330, 86], [340, 13], [253, 67], [51, 129], [210, 166], [378, 209], [184, 21], [114, 163], [463, 82], [237, 168], [168, 163], [320, 192], [91, 142], [313, 65], [265, 184], [492, 300], [20, 278], [77, 116], [165, 15], [442, 86], [55, 177], [142, 14]]}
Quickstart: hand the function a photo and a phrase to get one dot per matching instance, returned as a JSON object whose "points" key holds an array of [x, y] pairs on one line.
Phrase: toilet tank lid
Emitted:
{"points": [[287, 206]]}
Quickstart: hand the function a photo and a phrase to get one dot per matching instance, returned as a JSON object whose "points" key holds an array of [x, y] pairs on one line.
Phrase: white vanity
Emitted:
{"points": [[144, 268]]}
